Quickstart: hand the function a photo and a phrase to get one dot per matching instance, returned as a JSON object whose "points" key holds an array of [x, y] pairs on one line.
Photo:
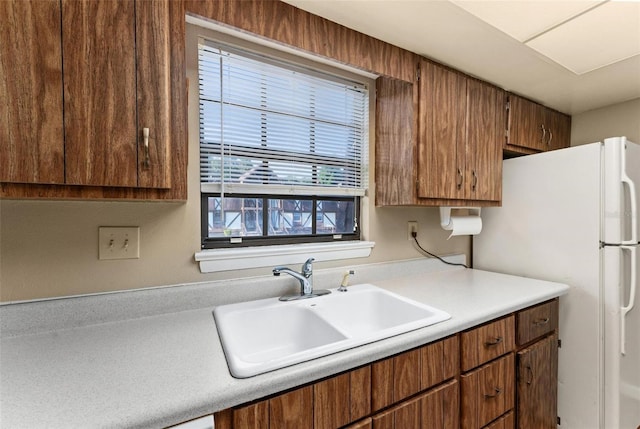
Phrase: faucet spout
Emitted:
{"points": [[305, 277], [306, 286]]}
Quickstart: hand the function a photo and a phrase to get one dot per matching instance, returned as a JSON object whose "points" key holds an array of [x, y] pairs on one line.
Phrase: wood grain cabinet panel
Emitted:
{"points": [[99, 92], [460, 133], [535, 128], [342, 399], [488, 392], [505, 422], [408, 373], [487, 342], [435, 409], [537, 384], [31, 123], [536, 321], [395, 143], [121, 70]]}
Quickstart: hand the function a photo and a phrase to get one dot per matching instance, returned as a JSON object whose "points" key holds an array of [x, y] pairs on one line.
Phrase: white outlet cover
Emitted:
{"points": [[118, 242]]}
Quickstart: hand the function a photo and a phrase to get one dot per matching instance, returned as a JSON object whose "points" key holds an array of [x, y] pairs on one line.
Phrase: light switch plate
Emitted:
{"points": [[116, 242]]}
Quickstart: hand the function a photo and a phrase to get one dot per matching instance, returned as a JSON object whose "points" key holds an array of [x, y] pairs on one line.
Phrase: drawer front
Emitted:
{"points": [[408, 373], [488, 392], [487, 342], [537, 321]]}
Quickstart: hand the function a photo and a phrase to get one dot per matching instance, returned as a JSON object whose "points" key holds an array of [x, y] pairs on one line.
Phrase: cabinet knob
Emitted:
{"points": [[493, 342], [540, 322], [496, 391]]}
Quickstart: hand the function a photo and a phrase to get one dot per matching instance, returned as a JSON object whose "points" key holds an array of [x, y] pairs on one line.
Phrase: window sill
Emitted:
{"points": [[212, 261]]}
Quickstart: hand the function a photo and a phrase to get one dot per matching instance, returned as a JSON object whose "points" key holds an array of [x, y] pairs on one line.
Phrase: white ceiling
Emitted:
{"points": [[573, 55]]}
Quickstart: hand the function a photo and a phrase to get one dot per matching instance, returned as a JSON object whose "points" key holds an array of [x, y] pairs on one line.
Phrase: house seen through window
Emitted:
{"points": [[283, 150]]}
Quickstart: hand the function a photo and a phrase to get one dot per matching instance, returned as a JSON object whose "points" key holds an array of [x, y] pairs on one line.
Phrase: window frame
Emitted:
{"points": [[342, 194], [269, 240]]}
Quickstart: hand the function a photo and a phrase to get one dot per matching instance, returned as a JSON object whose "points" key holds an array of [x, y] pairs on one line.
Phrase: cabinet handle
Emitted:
{"points": [[540, 322], [492, 343], [530, 375], [460, 179], [550, 138], [145, 137], [497, 391], [544, 133], [475, 180]]}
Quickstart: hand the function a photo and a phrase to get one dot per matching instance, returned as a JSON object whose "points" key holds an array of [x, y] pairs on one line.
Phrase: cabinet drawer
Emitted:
{"points": [[487, 392], [437, 408], [487, 342], [537, 321], [408, 373]]}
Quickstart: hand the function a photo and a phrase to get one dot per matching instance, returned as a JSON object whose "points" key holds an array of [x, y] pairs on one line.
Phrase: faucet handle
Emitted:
{"points": [[307, 267]]}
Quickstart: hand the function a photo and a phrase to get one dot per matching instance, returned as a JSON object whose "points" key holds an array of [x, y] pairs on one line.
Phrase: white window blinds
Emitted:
{"points": [[269, 127]]}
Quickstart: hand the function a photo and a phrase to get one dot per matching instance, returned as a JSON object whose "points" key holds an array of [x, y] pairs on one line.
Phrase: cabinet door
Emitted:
{"points": [[488, 392], [395, 142], [99, 63], [154, 98], [484, 138], [537, 370], [342, 399], [435, 409], [526, 124], [441, 147], [31, 136], [559, 130]]}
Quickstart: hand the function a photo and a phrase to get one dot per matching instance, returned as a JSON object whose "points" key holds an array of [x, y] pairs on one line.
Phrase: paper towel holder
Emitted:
{"points": [[445, 215]]}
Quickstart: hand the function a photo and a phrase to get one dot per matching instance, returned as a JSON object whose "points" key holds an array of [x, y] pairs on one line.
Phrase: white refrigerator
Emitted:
{"points": [[571, 216]]}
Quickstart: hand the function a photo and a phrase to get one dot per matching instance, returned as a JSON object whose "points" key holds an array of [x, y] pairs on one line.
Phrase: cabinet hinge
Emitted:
{"points": [[559, 343], [558, 417]]}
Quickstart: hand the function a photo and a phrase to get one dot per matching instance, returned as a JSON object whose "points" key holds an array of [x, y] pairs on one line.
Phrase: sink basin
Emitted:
{"points": [[260, 336]]}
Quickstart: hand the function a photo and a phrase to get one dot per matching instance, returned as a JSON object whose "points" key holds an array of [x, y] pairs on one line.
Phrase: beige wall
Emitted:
{"points": [[50, 248], [622, 119]]}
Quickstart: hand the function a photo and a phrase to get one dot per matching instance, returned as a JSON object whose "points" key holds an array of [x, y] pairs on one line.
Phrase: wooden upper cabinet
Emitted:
{"points": [[486, 119], [31, 135], [534, 128], [92, 76], [460, 136], [442, 127], [99, 92], [116, 82]]}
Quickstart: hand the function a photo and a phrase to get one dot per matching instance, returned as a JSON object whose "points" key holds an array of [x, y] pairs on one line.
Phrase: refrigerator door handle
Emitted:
{"points": [[632, 295], [634, 204]]}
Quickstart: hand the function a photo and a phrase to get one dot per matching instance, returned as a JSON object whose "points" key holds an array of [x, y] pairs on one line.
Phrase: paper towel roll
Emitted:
{"points": [[465, 225]]}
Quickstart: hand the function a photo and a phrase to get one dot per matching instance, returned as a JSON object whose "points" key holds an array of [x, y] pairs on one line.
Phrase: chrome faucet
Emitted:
{"points": [[305, 277]]}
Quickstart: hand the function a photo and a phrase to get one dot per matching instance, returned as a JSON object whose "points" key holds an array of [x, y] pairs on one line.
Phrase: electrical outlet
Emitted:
{"points": [[119, 242], [412, 226]]}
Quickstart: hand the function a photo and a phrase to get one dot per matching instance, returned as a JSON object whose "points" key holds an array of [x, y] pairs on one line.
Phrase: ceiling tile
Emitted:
{"points": [[523, 20], [604, 35]]}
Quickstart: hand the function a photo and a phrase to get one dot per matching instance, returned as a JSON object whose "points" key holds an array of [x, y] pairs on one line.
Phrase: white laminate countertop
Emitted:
{"points": [[160, 370]]}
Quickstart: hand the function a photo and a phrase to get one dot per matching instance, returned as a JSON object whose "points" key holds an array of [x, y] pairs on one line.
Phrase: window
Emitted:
{"points": [[283, 150]]}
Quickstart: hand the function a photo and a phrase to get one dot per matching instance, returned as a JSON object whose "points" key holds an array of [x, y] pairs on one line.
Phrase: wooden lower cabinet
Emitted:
{"points": [[480, 378], [488, 392], [537, 384], [437, 408]]}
